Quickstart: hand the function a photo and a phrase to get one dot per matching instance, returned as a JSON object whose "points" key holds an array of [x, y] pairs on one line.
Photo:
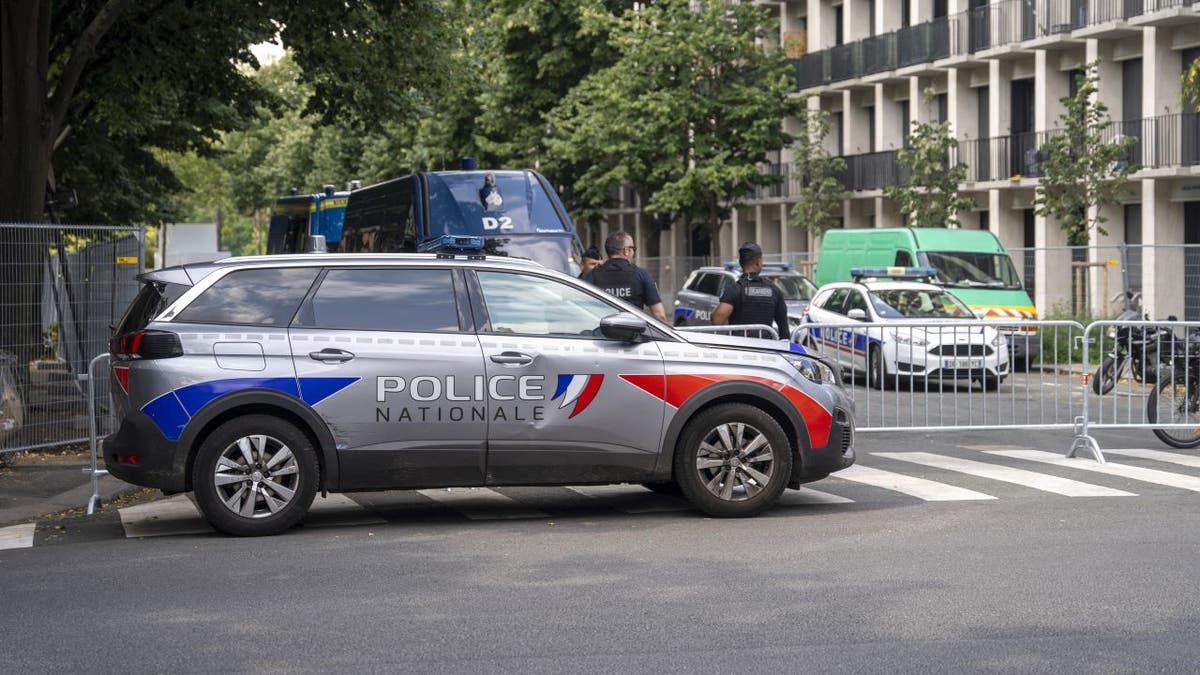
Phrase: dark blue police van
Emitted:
{"points": [[514, 213]]}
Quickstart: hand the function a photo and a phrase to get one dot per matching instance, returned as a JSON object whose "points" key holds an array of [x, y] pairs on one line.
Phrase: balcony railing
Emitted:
{"points": [[997, 24], [1162, 142]]}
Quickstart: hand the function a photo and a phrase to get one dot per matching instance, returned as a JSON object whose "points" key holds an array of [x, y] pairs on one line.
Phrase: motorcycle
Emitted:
{"points": [[1176, 397], [1144, 350]]}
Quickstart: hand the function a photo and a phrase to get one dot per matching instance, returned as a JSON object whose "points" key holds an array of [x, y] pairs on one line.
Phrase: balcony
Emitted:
{"points": [[996, 25]]}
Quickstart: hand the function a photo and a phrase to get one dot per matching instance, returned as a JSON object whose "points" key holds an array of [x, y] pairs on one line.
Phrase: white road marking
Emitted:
{"points": [[482, 504], [1167, 478], [1030, 479], [809, 496], [910, 485], [632, 499], [17, 536], [171, 516], [1157, 455], [338, 509]]}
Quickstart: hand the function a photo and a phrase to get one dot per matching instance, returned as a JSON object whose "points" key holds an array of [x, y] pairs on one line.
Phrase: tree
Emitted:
{"points": [[685, 115], [1085, 168], [97, 86], [819, 200], [929, 196]]}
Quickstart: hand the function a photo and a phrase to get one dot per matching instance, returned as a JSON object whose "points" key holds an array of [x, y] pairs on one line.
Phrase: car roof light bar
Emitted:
{"points": [[893, 272]]}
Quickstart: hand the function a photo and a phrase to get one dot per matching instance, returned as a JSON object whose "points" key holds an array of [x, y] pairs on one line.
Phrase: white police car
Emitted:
{"points": [[915, 346], [701, 293]]}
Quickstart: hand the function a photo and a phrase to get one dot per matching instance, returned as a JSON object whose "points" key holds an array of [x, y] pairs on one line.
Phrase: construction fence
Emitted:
{"points": [[62, 289]]}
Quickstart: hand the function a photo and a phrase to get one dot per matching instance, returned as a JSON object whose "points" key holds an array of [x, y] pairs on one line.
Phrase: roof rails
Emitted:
{"points": [[860, 273]]}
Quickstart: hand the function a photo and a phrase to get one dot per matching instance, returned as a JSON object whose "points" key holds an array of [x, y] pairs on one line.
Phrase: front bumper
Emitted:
{"points": [[139, 437], [837, 453]]}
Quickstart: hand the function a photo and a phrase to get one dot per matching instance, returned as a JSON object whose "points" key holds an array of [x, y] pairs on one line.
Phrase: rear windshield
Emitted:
{"points": [[151, 301], [515, 204]]}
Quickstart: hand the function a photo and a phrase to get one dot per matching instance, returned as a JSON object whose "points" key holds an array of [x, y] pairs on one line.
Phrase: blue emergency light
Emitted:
{"points": [[893, 272], [453, 243], [733, 265]]}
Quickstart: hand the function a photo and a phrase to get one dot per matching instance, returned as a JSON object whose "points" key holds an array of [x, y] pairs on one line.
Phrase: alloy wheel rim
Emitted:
{"points": [[735, 462], [256, 476]]}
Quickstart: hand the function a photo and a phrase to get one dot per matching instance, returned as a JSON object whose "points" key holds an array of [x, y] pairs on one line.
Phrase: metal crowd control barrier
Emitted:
{"points": [[752, 330], [93, 432], [1146, 375], [957, 375]]}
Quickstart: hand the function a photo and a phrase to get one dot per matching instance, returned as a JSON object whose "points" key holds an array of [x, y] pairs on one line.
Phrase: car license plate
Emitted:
{"points": [[962, 363]]}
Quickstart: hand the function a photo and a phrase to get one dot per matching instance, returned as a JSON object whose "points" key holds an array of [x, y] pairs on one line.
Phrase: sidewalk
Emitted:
{"points": [[36, 484]]}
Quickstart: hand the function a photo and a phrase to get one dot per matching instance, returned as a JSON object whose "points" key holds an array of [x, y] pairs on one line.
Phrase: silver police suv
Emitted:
{"points": [[701, 293], [255, 382]]}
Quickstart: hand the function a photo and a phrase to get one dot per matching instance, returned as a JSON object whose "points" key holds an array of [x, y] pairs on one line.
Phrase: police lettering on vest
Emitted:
{"points": [[756, 302], [619, 279]]}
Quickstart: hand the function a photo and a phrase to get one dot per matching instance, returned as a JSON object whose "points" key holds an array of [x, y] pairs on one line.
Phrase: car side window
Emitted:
{"points": [[836, 301], [252, 297], [709, 284], [402, 300], [525, 304], [855, 300]]}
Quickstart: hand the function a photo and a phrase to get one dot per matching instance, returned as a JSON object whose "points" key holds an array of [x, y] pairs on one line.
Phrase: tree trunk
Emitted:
{"points": [[25, 134]]}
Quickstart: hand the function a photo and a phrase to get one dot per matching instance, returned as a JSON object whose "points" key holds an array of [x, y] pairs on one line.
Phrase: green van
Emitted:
{"points": [[971, 262]]}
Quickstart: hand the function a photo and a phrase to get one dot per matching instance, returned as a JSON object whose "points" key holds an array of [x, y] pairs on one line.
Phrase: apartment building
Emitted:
{"points": [[998, 71]]}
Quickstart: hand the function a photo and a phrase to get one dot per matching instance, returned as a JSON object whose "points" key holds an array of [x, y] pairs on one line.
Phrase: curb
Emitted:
{"points": [[76, 497]]}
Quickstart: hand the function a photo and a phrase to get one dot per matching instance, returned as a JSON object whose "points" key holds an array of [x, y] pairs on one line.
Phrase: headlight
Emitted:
{"points": [[815, 371], [906, 336], [998, 341]]}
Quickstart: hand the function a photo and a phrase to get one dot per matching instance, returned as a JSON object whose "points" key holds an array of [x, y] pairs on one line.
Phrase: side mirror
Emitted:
{"points": [[857, 314], [624, 326]]}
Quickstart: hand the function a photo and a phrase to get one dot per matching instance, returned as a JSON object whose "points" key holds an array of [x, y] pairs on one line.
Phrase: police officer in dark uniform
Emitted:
{"points": [[752, 299], [620, 278]]}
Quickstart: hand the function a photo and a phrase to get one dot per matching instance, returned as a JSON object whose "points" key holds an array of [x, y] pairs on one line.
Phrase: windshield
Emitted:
{"points": [[966, 269], [907, 303], [794, 286], [462, 203]]}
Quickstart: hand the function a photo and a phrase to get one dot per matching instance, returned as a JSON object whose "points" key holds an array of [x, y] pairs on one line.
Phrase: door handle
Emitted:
{"points": [[329, 355], [512, 358]]}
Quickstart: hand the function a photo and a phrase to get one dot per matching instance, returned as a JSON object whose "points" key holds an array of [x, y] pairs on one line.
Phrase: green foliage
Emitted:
{"points": [[1084, 169], [1190, 93], [929, 196], [819, 200], [685, 114]]}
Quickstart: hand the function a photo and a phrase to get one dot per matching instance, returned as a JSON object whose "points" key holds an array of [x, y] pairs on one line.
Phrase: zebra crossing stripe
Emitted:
{"points": [[1030, 479], [482, 504], [170, 516], [1157, 455], [928, 490], [339, 510], [631, 499], [807, 496], [17, 536], [1145, 475]]}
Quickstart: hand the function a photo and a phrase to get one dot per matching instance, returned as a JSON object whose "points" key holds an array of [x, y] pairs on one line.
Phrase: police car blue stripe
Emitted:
{"points": [[168, 414], [564, 381], [173, 410], [316, 389]]}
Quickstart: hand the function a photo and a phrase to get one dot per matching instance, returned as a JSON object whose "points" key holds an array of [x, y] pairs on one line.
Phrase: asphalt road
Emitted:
{"points": [[1019, 580]]}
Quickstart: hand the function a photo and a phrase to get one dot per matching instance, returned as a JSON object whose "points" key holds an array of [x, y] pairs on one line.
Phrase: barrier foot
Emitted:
{"points": [[1086, 442], [94, 503]]}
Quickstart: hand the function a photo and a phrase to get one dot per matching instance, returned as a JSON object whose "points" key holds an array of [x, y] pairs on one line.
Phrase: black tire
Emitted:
{"points": [[667, 488], [990, 383], [1105, 379], [275, 459], [742, 494], [877, 377], [1171, 393]]}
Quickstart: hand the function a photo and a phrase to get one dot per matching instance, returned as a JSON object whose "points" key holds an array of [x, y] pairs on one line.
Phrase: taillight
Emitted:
{"points": [[146, 344]]}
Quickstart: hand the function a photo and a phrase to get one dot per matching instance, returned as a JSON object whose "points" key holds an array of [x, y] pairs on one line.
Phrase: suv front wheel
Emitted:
{"points": [[733, 460], [255, 475]]}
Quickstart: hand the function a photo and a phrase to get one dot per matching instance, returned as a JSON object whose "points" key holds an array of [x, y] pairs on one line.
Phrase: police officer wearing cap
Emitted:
{"points": [[620, 278], [752, 299]]}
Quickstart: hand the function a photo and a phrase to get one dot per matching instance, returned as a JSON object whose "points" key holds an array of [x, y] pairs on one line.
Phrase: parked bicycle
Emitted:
{"points": [[1176, 397], [1143, 350]]}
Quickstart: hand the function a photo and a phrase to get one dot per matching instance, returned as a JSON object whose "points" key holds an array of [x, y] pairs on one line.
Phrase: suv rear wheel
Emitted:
{"points": [[733, 460], [255, 475]]}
